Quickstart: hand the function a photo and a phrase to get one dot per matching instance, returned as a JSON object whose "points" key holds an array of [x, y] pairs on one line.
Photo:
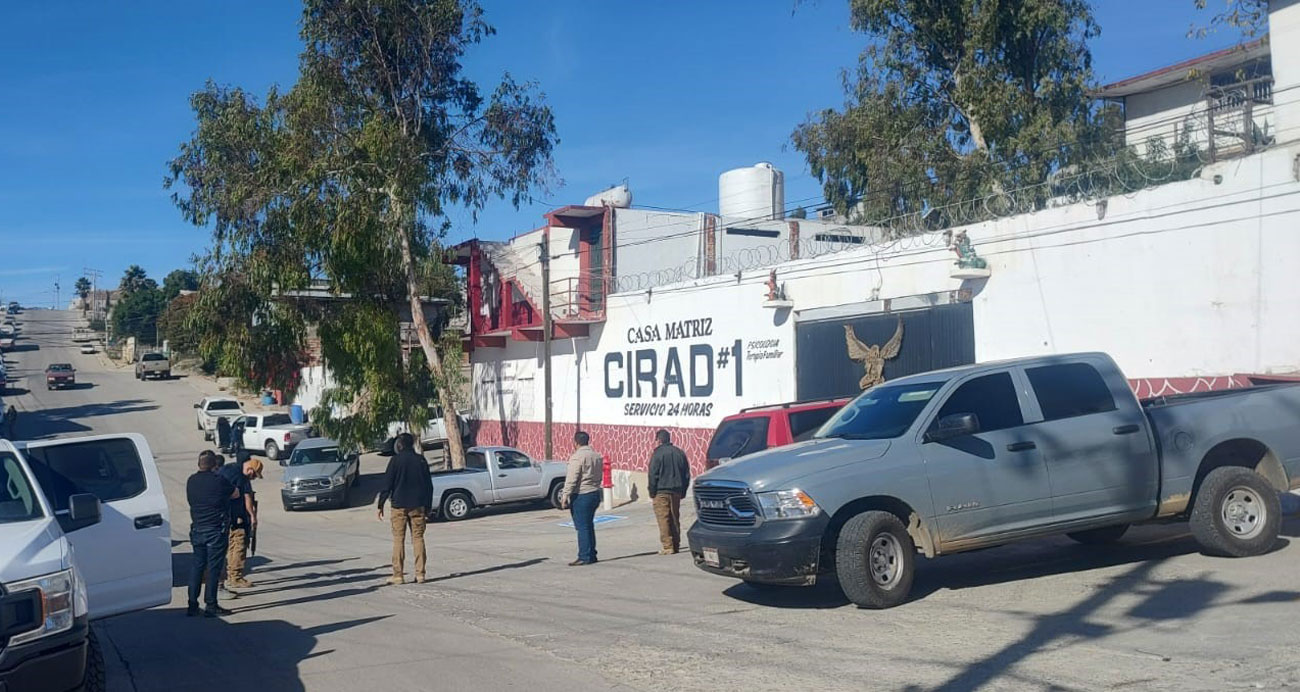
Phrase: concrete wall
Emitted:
{"points": [[654, 248], [1284, 44]]}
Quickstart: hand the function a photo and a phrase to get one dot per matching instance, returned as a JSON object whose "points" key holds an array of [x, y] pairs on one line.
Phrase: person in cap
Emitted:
{"points": [[243, 518]]}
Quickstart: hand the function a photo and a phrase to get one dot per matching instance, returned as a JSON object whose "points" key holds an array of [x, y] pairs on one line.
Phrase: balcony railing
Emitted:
{"points": [[579, 297], [1238, 117]]}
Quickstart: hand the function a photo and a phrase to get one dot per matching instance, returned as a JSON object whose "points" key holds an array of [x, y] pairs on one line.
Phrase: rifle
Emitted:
{"points": [[252, 532]]}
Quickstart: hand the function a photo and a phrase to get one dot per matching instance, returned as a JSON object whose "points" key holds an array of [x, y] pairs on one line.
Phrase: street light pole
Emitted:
{"points": [[546, 341]]}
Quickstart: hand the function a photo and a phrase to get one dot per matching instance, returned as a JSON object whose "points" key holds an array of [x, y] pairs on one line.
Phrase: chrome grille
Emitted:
{"points": [[307, 484], [728, 504]]}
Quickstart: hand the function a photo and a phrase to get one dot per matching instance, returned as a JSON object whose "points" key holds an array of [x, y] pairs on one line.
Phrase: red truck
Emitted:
{"points": [[60, 375], [764, 427]]}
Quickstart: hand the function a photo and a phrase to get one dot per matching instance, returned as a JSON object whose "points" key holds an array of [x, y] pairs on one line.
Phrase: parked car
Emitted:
{"points": [[153, 365], [272, 434], [764, 427], [6, 342], [211, 408], [60, 375], [87, 349], [493, 476], [318, 473], [972, 457], [61, 553]]}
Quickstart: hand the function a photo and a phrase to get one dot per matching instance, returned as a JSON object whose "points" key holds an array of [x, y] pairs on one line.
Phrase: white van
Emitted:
{"points": [[84, 534]]}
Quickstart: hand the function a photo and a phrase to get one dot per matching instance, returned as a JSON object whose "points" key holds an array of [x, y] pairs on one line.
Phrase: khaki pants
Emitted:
{"points": [[235, 555], [401, 519], [668, 510]]}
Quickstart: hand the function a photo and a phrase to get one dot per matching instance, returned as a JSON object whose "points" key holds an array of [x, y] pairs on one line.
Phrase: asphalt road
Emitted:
{"points": [[502, 611]]}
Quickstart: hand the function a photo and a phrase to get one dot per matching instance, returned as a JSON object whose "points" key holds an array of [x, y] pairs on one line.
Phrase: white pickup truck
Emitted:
{"points": [[70, 509], [211, 408], [273, 434], [494, 476]]}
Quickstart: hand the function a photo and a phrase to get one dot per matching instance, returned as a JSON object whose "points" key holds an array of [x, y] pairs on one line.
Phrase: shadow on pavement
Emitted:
{"points": [[294, 565], [219, 654], [489, 570], [33, 425]]}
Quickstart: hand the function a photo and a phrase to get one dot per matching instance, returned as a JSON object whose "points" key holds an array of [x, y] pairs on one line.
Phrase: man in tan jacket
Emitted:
{"points": [[582, 496]]}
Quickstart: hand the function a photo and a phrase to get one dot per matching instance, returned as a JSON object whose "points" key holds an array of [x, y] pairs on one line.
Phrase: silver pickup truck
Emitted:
{"points": [[493, 476], [955, 460]]}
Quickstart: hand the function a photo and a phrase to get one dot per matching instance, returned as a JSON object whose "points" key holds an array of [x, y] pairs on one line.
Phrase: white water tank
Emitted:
{"points": [[756, 192], [619, 196]]}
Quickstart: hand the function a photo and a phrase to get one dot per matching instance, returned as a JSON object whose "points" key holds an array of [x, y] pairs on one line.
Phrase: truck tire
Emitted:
{"points": [[875, 560], [1236, 513], [272, 451], [96, 680], [556, 494], [1102, 536], [456, 505]]}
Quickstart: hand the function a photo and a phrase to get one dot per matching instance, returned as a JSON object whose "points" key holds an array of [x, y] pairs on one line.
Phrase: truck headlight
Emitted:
{"points": [[58, 602], [336, 481], [787, 504]]}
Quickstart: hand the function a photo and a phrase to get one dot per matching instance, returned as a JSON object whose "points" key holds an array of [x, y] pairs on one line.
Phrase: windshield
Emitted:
{"points": [[276, 419], [154, 356], [223, 405], [880, 412], [316, 455], [17, 499], [60, 366]]}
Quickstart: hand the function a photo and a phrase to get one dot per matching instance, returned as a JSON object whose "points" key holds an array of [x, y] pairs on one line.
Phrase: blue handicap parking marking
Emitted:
{"points": [[602, 519]]}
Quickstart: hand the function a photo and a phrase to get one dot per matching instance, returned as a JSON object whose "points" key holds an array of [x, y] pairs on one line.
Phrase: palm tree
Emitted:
{"points": [[83, 290]]}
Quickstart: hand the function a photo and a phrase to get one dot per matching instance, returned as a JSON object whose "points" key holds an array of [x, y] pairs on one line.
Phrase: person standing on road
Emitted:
{"points": [[223, 433], [409, 486], [670, 476], [11, 421], [209, 496], [582, 496], [243, 519]]}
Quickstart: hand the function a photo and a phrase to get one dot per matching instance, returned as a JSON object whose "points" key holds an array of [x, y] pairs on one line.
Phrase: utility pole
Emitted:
{"points": [[55, 306], [93, 275], [546, 340]]}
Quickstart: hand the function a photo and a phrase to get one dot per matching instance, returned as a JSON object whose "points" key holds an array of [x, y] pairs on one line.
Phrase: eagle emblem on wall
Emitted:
{"points": [[873, 357]]}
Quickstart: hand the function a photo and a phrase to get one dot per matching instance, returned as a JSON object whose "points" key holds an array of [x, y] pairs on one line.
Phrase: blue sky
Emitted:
{"points": [[667, 95]]}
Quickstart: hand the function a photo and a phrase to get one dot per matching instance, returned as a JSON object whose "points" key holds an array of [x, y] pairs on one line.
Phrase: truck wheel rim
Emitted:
{"points": [[457, 507], [885, 561], [1243, 513]]}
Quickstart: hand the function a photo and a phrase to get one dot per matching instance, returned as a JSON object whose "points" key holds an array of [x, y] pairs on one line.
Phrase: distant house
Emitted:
{"points": [[1221, 102]]}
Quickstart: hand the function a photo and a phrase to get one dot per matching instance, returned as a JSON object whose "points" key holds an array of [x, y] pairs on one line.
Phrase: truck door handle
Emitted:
{"points": [[148, 521], [1021, 446], [1125, 429], [501, 475]]}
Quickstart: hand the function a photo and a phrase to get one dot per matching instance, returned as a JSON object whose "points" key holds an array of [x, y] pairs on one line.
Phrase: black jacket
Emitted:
{"points": [[407, 482], [669, 470]]}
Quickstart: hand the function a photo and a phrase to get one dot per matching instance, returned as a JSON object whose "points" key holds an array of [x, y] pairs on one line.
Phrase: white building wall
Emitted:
{"points": [[1165, 114], [1284, 44], [653, 247]]}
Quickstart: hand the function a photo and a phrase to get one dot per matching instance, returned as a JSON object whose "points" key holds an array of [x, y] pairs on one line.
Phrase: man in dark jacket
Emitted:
{"points": [[670, 476], [410, 488], [209, 497], [223, 433]]}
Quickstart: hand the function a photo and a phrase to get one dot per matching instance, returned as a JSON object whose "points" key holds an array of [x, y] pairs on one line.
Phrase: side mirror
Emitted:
{"points": [[955, 425], [284, 462], [83, 510], [196, 406]]}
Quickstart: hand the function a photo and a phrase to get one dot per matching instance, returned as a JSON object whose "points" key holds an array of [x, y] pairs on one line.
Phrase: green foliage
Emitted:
{"points": [[82, 287], [135, 279], [175, 326], [956, 100], [348, 178], [179, 280], [136, 314], [239, 334], [1249, 18]]}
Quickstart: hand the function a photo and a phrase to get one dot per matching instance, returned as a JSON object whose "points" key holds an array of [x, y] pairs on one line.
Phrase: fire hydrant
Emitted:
{"points": [[607, 486]]}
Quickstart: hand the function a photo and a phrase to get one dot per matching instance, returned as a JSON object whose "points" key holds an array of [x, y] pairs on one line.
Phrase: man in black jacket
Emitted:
{"points": [[410, 488], [670, 476]]}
